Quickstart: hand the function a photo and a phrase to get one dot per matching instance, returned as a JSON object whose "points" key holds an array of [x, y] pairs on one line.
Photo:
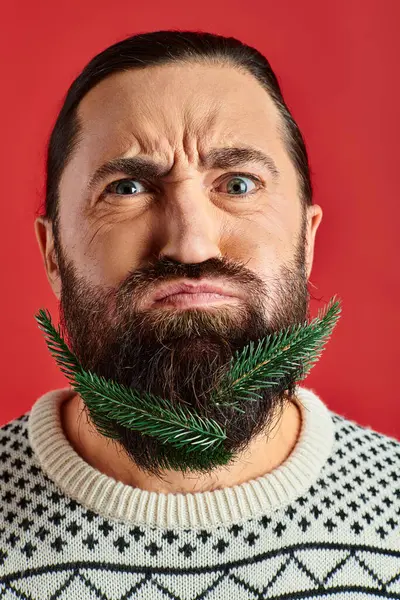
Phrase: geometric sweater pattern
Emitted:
{"points": [[325, 524]]}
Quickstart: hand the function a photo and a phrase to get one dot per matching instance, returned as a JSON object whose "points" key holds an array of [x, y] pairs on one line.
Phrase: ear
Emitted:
{"points": [[45, 238], [314, 217]]}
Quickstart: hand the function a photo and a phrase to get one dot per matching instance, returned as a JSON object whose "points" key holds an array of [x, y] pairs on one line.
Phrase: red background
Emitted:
{"points": [[338, 64]]}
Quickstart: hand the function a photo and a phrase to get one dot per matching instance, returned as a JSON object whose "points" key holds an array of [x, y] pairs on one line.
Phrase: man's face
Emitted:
{"points": [[180, 174]]}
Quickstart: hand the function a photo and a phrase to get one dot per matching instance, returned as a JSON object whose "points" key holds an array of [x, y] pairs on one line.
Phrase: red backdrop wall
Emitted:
{"points": [[338, 64]]}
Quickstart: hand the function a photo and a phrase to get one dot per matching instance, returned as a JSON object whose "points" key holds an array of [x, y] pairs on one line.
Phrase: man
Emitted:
{"points": [[178, 226]]}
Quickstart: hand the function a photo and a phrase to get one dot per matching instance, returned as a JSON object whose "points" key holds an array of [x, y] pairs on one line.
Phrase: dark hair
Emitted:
{"points": [[157, 48]]}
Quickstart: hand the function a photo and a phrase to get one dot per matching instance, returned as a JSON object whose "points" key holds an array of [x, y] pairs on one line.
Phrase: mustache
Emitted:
{"points": [[169, 270]]}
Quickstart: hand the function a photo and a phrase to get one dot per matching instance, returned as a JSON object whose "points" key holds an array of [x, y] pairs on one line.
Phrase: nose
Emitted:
{"points": [[190, 226]]}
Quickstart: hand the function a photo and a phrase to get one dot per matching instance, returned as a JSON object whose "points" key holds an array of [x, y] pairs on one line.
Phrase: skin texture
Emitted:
{"points": [[175, 114]]}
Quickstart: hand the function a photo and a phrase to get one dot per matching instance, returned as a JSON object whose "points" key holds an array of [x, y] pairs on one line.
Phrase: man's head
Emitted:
{"points": [[175, 158]]}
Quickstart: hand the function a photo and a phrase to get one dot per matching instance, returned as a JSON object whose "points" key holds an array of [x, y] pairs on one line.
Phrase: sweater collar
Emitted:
{"points": [[112, 499]]}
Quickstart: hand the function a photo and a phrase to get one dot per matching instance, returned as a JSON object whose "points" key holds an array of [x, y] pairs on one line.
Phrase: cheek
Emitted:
{"points": [[268, 238], [108, 247], [106, 251]]}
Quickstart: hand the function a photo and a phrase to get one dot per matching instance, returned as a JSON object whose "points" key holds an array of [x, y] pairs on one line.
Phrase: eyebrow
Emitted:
{"points": [[139, 167]]}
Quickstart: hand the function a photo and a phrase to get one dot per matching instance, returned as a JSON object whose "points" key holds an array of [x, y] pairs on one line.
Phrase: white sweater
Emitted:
{"points": [[324, 524]]}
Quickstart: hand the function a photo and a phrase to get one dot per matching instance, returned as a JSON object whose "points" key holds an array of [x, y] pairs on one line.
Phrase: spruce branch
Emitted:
{"points": [[109, 401], [151, 415], [65, 359], [287, 354], [188, 440]]}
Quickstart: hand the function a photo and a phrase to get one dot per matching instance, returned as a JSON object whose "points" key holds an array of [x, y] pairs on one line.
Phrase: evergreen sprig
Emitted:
{"points": [[287, 354], [109, 401]]}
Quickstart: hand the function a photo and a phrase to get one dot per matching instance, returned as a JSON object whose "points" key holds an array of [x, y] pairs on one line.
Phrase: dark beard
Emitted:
{"points": [[181, 356]]}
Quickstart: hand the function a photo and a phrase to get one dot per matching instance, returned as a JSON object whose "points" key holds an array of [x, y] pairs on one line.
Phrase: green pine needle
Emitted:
{"points": [[191, 441], [148, 414], [109, 401], [67, 362], [292, 352]]}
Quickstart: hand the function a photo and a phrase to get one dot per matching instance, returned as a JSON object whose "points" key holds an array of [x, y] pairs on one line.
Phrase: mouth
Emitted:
{"points": [[194, 299], [184, 294]]}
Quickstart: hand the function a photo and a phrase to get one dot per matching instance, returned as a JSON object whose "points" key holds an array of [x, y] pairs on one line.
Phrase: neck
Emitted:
{"points": [[264, 454]]}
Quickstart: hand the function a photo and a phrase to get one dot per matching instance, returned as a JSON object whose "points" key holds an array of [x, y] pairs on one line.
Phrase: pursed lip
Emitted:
{"points": [[190, 287]]}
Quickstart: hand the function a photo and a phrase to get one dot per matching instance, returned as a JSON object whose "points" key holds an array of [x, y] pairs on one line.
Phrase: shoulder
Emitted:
{"points": [[355, 436], [16, 456], [364, 469], [362, 447], [14, 440]]}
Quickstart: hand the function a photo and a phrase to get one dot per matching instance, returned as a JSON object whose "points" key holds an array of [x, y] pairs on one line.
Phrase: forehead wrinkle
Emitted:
{"points": [[180, 137], [185, 139], [202, 129]]}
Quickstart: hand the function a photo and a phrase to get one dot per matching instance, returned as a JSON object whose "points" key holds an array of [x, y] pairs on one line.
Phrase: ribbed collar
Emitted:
{"points": [[112, 499]]}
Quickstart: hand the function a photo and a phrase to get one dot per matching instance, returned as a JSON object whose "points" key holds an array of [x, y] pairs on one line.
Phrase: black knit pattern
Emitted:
{"points": [[341, 539]]}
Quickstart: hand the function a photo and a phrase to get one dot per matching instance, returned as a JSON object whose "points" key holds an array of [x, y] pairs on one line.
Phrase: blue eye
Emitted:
{"points": [[126, 187], [239, 185]]}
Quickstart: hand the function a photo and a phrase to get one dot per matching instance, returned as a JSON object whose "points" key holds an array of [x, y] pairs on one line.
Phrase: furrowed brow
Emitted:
{"points": [[228, 158], [137, 167], [133, 167]]}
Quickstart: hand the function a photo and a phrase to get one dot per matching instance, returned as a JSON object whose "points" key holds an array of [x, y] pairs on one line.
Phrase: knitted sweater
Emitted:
{"points": [[324, 524]]}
